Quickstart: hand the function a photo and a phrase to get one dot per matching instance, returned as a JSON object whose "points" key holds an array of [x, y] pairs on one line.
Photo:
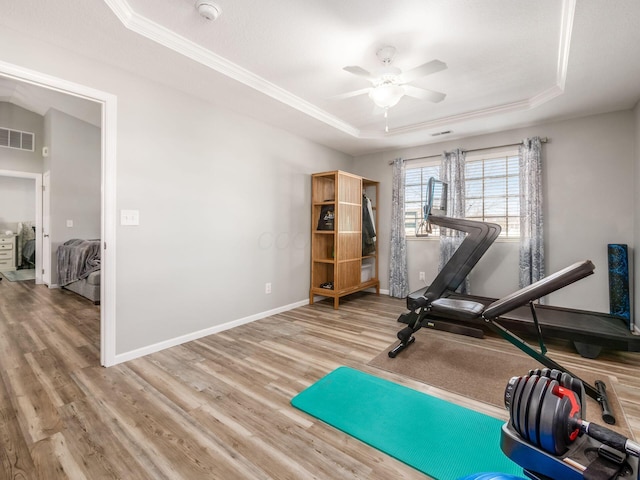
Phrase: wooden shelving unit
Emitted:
{"points": [[336, 255]]}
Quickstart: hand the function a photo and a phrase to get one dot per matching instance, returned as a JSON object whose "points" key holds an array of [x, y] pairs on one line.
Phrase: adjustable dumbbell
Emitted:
{"points": [[545, 408]]}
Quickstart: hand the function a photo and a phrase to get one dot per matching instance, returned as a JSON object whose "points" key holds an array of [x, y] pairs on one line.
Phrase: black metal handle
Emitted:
{"points": [[603, 400]]}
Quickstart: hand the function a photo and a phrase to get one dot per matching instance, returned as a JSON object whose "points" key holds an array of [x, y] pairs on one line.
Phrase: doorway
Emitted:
{"points": [[108, 217], [37, 214]]}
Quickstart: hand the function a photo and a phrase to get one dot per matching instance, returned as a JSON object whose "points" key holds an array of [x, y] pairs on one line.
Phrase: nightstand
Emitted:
{"points": [[8, 252]]}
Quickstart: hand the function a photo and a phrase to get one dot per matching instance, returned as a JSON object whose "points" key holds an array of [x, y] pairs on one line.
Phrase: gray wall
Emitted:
{"points": [[589, 202], [74, 163], [636, 218], [17, 195], [223, 201], [17, 118], [17, 202], [224, 206]]}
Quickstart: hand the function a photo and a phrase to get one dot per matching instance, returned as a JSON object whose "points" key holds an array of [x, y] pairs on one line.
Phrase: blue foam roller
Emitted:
{"points": [[491, 476], [619, 300]]}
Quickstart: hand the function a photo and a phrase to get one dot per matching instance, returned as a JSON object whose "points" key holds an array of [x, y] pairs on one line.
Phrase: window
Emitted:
{"points": [[492, 185], [415, 195]]}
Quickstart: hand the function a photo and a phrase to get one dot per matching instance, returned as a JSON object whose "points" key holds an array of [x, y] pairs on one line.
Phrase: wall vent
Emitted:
{"points": [[437, 134], [16, 139]]}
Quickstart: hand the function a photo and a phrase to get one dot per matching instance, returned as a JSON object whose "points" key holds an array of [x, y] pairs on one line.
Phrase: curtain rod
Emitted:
{"points": [[542, 140]]}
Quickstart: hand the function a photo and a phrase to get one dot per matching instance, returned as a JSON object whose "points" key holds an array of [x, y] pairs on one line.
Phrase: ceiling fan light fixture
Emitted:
{"points": [[208, 9], [386, 95]]}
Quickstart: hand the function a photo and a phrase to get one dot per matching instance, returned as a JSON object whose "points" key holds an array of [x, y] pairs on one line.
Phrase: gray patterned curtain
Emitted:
{"points": [[531, 234], [398, 269], [452, 172]]}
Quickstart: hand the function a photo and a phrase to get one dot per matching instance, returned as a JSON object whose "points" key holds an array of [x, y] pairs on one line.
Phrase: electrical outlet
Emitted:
{"points": [[421, 276], [267, 288]]}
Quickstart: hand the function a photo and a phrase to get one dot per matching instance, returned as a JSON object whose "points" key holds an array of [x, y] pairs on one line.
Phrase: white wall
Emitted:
{"points": [[589, 202], [223, 201]]}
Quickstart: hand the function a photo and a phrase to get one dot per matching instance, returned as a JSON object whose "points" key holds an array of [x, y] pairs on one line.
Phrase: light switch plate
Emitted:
{"points": [[129, 217]]}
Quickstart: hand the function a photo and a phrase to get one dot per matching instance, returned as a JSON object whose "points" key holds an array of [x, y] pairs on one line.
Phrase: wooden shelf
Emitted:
{"points": [[337, 256], [324, 260]]}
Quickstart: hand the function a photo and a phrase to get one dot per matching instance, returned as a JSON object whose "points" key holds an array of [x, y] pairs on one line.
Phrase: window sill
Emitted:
{"points": [[434, 238]]}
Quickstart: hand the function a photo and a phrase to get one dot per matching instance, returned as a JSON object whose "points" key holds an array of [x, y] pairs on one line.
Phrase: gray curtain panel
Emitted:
{"points": [[398, 269], [452, 172], [531, 232]]}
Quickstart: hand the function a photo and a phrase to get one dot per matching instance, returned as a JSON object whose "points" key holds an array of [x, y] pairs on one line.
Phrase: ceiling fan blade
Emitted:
{"points": [[354, 93], [427, 69], [423, 94], [359, 71]]}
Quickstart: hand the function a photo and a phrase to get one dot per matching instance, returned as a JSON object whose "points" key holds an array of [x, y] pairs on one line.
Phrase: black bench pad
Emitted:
{"points": [[457, 308]]}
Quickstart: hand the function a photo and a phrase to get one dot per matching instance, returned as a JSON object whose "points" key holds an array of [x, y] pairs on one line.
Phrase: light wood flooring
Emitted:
{"points": [[215, 408]]}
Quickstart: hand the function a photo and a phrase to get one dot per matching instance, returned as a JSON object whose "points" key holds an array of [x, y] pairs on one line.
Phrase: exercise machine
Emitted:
{"points": [[438, 306], [470, 311], [588, 331], [548, 437]]}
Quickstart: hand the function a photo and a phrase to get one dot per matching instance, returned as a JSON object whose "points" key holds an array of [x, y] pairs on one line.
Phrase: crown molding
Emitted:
{"points": [[566, 28], [163, 36]]}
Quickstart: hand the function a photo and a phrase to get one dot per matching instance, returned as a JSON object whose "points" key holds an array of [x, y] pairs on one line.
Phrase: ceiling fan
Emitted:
{"points": [[390, 84]]}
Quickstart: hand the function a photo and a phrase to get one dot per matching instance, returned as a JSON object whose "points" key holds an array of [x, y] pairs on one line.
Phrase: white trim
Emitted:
{"points": [[566, 29], [109, 119], [189, 337], [173, 342], [433, 160], [163, 36], [37, 177], [109, 225], [491, 152]]}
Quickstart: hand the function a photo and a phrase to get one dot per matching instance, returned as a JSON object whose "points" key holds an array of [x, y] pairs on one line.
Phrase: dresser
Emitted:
{"points": [[8, 253]]}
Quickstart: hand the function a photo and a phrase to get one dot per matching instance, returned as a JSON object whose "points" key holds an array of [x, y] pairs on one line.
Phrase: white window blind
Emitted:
{"points": [[492, 191]]}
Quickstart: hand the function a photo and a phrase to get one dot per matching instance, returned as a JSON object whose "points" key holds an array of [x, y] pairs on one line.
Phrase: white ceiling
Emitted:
{"points": [[511, 63]]}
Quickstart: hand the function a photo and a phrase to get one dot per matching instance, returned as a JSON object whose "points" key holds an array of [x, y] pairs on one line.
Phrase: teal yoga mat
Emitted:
{"points": [[436, 437]]}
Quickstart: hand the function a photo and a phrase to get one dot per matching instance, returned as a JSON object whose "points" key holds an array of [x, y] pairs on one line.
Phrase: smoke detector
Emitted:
{"points": [[208, 9]]}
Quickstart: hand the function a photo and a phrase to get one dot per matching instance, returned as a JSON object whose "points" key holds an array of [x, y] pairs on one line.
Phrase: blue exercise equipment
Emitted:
{"points": [[491, 476]]}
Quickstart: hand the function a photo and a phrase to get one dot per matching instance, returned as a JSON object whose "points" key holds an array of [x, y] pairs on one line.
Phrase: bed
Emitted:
{"points": [[26, 245], [79, 267]]}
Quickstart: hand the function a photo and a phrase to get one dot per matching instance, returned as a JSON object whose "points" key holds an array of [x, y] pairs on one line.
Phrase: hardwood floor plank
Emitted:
{"points": [[15, 458], [94, 442], [36, 411], [215, 408], [53, 460], [53, 376]]}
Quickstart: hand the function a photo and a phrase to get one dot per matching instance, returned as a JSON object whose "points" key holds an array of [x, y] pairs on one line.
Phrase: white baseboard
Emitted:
{"points": [[156, 347]]}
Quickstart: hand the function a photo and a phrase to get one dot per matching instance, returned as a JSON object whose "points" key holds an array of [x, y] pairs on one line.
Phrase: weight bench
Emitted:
{"points": [[470, 311]]}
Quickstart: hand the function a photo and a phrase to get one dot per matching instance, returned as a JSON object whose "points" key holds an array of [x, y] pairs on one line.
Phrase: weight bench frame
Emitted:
{"points": [[470, 311]]}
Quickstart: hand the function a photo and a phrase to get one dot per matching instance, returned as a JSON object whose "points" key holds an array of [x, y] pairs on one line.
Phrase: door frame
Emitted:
{"points": [[37, 177], [108, 209], [46, 228]]}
